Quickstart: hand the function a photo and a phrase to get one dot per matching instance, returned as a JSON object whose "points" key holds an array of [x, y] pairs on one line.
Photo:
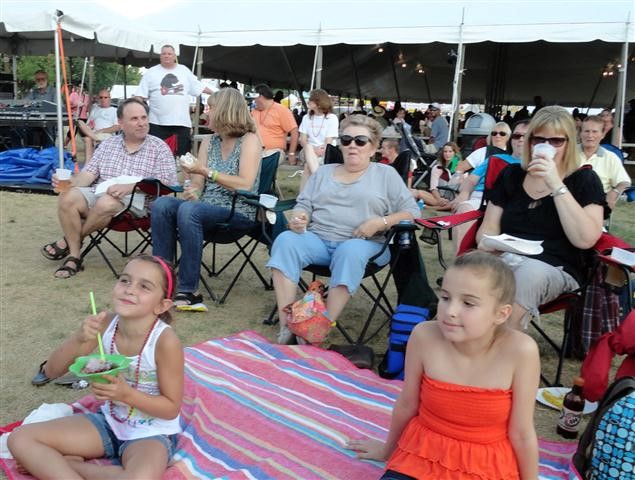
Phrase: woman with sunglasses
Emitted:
{"points": [[548, 197], [497, 142], [340, 220]]}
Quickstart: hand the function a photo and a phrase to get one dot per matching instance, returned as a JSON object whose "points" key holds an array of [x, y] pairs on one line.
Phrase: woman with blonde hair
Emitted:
{"points": [[317, 130], [228, 161], [549, 198]]}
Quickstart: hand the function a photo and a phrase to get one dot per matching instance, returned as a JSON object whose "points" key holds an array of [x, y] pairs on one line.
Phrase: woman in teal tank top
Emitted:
{"points": [[228, 161]]}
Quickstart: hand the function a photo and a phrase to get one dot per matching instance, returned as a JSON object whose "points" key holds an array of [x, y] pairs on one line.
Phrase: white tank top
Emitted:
{"points": [[139, 425]]}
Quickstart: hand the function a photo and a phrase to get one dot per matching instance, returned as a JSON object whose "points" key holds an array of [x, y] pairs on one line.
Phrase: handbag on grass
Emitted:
{"points": [[307, 317]]}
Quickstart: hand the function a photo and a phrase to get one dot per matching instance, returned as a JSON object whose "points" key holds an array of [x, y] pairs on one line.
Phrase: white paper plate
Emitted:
{"points": [[589, 407]]}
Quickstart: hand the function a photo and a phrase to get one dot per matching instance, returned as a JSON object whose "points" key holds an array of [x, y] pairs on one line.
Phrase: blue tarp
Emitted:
{"points": [[28, 165]]}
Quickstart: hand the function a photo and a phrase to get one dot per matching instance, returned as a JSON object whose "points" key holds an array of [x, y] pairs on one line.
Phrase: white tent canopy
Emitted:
{"points": [[325, 22]]}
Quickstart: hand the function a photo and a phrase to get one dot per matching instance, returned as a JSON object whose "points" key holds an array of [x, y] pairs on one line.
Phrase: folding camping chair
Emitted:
{"points": [[127, 222], [564, 302], [260, 232]]}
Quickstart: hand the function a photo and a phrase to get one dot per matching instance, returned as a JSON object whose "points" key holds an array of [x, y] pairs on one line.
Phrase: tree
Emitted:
{"points": [[106, 73]]}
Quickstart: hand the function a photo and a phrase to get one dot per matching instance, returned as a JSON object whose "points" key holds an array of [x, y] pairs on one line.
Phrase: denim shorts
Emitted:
{"points": [[114, 448]]}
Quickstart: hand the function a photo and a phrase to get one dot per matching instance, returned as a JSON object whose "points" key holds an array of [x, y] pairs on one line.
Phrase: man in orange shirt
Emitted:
{"points": [[274, 123]]}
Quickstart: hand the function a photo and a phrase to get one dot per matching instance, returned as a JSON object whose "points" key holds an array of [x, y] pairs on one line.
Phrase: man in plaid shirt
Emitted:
{"points": [[82, 211]]}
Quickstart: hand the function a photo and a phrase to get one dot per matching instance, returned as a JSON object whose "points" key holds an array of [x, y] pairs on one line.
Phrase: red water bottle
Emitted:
{"points": [[572, 408]]}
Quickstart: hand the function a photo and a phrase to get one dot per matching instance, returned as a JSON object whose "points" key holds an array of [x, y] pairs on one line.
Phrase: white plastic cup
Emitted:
{"points": [[63, 180], [268, 201], [544, 150]]}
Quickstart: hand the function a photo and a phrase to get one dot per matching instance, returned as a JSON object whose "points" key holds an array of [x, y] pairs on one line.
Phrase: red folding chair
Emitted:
{"points": [[435, 226], [127, 222]]}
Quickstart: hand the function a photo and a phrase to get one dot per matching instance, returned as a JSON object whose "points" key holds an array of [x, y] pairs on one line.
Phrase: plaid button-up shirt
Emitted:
{"points": [[152, 159]]}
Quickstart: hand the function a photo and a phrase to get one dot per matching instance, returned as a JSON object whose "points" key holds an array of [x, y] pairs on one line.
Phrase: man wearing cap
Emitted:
{"points": [[274, 123], [439, 134]]}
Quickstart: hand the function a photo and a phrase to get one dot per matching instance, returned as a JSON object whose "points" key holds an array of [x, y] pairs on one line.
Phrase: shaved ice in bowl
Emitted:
{"points": [[93, 368]]}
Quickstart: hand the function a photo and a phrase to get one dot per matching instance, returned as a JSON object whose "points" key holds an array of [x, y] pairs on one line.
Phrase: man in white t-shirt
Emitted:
{"points": [[102, 123], [168, 87]]}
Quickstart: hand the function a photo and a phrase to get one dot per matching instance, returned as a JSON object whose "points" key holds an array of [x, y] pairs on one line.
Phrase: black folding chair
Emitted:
{"points": [[246, 239]]}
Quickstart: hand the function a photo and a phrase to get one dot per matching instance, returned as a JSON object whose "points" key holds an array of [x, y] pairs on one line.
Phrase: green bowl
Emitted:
{"points": [[121, 361]]}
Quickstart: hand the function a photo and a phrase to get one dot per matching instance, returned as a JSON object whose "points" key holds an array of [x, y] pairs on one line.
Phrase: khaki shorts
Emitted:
{"points": [[91, 200]]}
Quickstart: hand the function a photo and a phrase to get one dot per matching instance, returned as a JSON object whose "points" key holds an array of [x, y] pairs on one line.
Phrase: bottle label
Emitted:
{"points": [[569, 420]]}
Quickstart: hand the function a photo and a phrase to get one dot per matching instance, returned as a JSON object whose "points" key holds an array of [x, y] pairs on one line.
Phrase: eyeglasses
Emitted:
{"points": [[104, 97], [360, 140], [502, 134], [517, 136], [553, 141]]}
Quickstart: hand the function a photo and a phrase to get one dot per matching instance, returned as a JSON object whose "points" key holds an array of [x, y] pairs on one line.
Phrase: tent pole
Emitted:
{"points": [[58, 94], [616, 138], [595, 91], [394, 70], [355, 72], [91, 74], [125, 77], [199, 74], [315, 58], [294, 77], [425, 78], [14, 62], [458, 80], [81, 87], [318, 70]]}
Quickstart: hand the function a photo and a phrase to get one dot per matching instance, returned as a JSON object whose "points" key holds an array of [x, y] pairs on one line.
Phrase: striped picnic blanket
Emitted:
{"points": [[255, 410]]}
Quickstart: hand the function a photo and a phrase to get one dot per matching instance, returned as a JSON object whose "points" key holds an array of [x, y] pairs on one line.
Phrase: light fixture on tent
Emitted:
{"points": [[401, 60], [380, 49], [420, 69], [609, 70]]}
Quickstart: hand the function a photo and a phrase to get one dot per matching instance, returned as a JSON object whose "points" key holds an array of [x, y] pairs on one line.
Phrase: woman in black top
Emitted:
{"points": [[553, 200]]}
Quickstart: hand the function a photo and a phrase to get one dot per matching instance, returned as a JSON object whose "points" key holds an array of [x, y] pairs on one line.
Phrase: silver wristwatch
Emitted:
{"points": [[560, 191]]}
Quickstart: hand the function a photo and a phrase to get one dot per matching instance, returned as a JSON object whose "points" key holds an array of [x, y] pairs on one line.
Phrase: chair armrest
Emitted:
{"points": [[394, 231], [447, 222]]}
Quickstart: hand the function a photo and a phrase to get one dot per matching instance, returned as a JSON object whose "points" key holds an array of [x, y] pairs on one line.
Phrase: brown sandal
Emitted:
{"points": [[58, 252], [71, 270]]}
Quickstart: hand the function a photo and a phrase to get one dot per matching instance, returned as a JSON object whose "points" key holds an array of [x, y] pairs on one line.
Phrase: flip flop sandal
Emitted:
{"points": [[40, 377], [60, 252], [66, 380], [188, 297], [69, 269]]}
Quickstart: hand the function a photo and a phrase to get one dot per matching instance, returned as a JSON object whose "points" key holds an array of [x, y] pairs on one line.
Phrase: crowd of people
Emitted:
{"points": [[471, 375]]}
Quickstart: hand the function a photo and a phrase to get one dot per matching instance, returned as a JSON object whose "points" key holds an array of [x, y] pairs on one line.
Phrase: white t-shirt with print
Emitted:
{"points": [[168, 91]]}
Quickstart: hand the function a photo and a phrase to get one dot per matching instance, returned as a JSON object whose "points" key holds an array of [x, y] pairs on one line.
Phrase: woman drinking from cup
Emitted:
{"points": [[228, 161], [339, 220], [548, 198]]}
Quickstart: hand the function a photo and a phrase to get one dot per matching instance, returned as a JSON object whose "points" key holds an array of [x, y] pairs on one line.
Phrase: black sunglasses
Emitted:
{"points": [[360, 140], [502, 134], [553, 141], [517, 136]]}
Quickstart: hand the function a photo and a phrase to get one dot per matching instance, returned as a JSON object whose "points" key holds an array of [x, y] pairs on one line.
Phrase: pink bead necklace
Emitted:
{"points": [[136, 380]]}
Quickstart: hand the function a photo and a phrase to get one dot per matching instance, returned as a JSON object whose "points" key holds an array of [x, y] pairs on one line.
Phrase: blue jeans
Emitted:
{"points": [[347, 260], [191, 223]]}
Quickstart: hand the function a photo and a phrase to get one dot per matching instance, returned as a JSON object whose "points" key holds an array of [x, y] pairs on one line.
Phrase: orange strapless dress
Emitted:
{"points": [[460, 433]]}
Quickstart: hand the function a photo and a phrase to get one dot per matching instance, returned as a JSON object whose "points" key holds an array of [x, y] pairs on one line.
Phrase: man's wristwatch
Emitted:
{"points": [[560, 191]]}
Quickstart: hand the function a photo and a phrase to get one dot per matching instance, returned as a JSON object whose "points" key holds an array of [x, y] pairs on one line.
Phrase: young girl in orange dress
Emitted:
{"points": [[138, 423], [466, 410]]}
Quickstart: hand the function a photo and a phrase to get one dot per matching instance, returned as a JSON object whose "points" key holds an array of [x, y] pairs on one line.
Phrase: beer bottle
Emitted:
{"points": [[572, 408]]}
